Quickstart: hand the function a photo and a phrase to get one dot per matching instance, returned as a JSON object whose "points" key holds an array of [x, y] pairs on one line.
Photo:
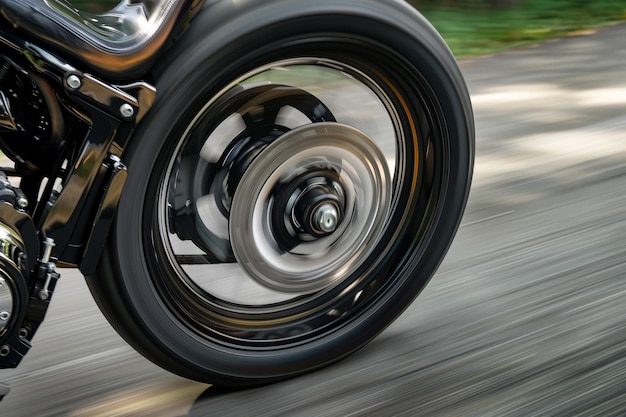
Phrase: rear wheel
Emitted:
{"points": [[290, 194]]}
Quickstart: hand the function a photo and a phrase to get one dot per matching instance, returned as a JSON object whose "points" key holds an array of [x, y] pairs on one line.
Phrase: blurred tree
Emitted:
{"points": [[508, 3]]}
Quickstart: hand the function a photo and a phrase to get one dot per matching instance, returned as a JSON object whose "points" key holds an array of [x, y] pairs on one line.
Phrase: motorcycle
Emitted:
{"points": [[253, 190]]}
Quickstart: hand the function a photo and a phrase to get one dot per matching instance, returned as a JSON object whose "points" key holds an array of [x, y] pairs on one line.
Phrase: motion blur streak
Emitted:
{"points": [[527, 316]]}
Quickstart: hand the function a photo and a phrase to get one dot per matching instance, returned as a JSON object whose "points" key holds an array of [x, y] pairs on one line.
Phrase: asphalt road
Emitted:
{"points": [[526, 316]]}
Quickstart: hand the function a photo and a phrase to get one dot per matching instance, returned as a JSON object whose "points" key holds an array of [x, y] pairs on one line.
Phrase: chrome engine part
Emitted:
{"points": [[12, 257], [13, 294], [6, 304], [19, 252]]}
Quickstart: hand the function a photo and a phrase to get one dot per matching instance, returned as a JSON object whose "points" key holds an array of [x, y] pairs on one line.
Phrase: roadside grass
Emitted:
{"points": [[475, 29]]}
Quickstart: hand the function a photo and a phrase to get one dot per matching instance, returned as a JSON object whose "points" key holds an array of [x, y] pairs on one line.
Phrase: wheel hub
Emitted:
{"points": [[310, 208], [319, 206], [325, 218]]}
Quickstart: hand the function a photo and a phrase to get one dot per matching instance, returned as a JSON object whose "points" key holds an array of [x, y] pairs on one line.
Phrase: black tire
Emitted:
{"points": [[389, 167]]}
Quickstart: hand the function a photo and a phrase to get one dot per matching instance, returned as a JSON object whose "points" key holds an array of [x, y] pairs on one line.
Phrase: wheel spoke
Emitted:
{"points": [[218, 141], [195, 260], [259, 118]]}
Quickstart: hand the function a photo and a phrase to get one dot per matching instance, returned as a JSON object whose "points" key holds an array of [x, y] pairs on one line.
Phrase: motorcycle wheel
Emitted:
{"points": [[295, 186]]}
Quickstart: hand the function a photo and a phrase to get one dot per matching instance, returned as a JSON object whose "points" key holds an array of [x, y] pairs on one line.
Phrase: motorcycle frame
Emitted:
{"points": [[92, 181], [65, 126]]}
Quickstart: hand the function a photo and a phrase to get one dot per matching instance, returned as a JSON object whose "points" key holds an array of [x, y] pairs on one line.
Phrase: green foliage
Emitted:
{"points": [[474, 27]]}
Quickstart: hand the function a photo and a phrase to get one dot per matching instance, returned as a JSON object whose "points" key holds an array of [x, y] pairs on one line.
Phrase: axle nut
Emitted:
{"points": [[326, 218]]}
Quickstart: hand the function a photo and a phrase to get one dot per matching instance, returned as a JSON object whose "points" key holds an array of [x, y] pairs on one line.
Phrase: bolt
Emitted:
{"points": [[5, 350], [43, 295], [22, 260], [74, 82], [23, 333], [117, 162], [326, 218], [22, 202], [127, 110], [4, 316]]}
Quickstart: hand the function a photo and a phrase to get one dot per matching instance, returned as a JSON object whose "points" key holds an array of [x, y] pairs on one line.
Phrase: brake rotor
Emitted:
{"points": [[310, 208]]}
